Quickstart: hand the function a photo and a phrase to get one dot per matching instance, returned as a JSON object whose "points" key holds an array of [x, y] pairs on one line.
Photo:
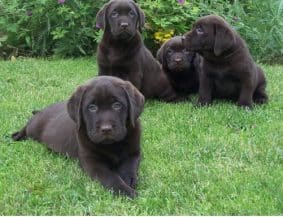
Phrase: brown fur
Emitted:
{"points": [[122, 53], [181, 66], [228, 69], [99, 125]]}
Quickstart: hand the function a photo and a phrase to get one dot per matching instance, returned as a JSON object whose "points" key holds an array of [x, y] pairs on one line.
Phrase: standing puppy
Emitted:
{"points": [[181, 66], [123, 54], [99, 125], [228, 68]]}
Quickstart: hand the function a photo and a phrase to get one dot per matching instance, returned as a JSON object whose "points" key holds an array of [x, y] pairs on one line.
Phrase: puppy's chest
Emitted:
{"points": [[221, 73], [183, 80], [114, 155], [119, 57], [120, 65]]}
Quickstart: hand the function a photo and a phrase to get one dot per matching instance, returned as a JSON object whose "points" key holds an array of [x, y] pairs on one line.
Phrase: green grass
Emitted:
{"points": [[217, 160]]}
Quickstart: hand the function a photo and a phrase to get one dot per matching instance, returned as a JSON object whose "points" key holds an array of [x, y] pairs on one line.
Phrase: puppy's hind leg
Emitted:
{"points": [[260, 96]]}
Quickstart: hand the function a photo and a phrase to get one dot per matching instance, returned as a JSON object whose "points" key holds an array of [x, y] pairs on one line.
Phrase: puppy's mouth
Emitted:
{"points": [[105, 139], [124, 35], [185, 40], [187, 43], [177, 67]]}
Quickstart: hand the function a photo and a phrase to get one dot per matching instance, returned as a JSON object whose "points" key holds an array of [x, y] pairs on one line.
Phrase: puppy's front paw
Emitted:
{"points": [[245, 104], [125, 190], [130, 180], [261, 100], [204, 101], [131, 193]]}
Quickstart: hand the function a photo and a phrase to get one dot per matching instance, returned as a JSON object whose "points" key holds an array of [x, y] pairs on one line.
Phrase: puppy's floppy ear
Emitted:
{"points": [[160, 53], [74, 105], [135, 101], [101, 16], [224, 39], [141, 17]]}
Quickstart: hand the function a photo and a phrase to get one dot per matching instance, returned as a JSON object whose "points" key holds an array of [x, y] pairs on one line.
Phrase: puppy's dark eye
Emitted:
{"points": [[199, 30], [132, 13], [116, 106], [114, 14], [92, 108], [170, 52]]}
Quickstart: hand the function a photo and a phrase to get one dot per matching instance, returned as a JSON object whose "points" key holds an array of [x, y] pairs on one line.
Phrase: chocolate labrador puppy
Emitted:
{"points": [[228, 68], [181, 66], [122, 53], [99, 125]]}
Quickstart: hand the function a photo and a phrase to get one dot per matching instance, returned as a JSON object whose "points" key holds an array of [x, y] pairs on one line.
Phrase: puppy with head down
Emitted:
{"points": [[99, 125], [181, 66], [228, 70], [122, 53]]}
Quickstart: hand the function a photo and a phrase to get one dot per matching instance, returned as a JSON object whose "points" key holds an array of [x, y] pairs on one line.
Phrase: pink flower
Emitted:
{"points": [[181, 2], [61, 1]]}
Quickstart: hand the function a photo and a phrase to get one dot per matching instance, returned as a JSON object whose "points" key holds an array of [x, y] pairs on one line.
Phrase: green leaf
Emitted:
{"points": [[3, 38]]}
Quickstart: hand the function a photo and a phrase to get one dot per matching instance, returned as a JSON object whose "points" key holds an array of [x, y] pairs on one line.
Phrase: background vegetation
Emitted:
{"points": [[217, 160], [67, 27]]}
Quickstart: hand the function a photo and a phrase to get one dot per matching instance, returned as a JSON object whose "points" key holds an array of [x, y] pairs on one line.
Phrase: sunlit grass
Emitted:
{"points": [[217, 160]]}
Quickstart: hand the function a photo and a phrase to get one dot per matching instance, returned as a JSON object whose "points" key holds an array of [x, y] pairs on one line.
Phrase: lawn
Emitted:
{"points": [[217, 160]]}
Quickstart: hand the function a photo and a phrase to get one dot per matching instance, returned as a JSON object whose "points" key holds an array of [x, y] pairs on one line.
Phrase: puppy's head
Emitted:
{"points": [[174, 56], [121, 18], [105, 108], [210, 34]]}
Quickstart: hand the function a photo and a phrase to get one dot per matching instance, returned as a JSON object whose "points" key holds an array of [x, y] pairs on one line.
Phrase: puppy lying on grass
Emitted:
{"points": [[99, 125]]}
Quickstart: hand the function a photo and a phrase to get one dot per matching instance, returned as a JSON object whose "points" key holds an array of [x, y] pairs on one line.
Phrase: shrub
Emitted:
{"points": [[261, 24], [178, 16], [67, 27], [44, 27]]}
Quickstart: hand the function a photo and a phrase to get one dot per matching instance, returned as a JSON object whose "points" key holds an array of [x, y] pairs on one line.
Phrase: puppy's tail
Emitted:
{"points": [[20, 135], [35, 112]]}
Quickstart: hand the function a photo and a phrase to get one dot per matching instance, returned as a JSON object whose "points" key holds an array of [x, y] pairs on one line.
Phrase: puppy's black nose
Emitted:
{"points": [[178, 59], [124, 25], [106, 129]]}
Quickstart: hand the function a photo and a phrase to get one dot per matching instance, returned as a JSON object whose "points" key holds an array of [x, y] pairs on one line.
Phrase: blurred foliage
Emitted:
{"points": [[67, 27]]}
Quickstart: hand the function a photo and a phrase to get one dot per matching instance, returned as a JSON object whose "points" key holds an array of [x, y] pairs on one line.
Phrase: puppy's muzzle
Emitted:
{"points": [[106, 129], [178, 60], [124, 25]]}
